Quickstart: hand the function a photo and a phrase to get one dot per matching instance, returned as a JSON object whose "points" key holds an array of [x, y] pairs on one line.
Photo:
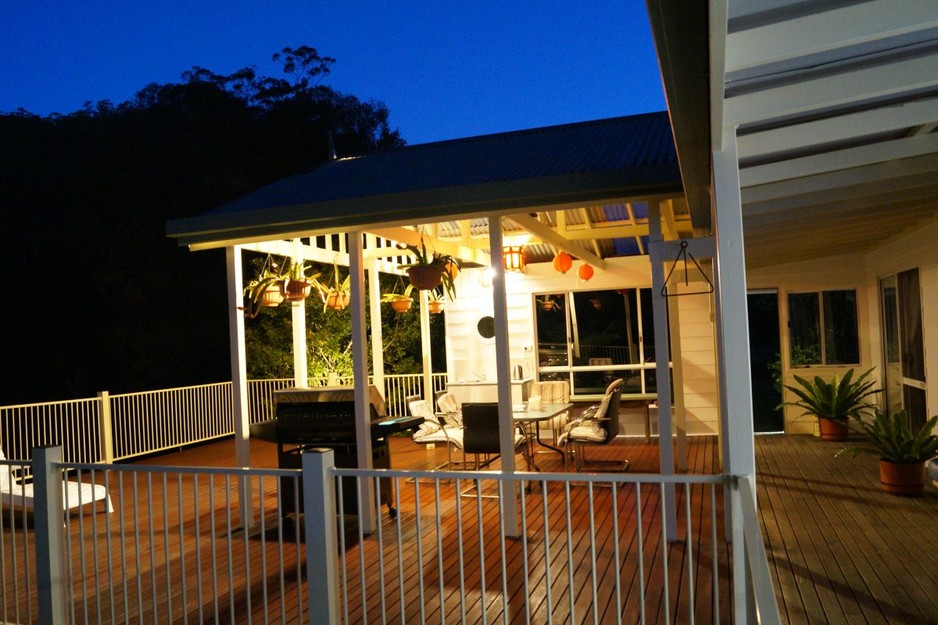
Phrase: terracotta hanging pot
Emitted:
{"points": [[833, 429], [907, 480], [401, 305], [424, 277], [272, 296], [337, 300], [298, 290], [435, 307]]}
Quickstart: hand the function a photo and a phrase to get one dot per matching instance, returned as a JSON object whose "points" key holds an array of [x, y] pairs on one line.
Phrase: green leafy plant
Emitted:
{"points": [[336, 293], [446, 265], [840, 399], [394, 296], [890, 438]]}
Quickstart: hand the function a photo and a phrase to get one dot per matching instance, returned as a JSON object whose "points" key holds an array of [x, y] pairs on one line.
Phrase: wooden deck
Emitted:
{"points": [[840, 550]]}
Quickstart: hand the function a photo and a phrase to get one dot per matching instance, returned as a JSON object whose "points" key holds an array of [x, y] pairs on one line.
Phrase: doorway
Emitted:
{"points": [[765, 362], [903, 346]]}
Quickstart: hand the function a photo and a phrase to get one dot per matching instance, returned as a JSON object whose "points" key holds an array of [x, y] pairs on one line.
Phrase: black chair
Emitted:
{"points": [[597, 425], [480, 437]]}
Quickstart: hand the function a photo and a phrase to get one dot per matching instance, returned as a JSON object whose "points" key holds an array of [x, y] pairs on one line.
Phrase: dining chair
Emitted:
{"points": [[552, 392], [480, 438], [597, 425]]}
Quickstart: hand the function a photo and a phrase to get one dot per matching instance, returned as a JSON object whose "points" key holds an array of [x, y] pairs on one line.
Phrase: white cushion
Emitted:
{"points": [[441, 435], [4, 473], [589, 432], [422, 408]]}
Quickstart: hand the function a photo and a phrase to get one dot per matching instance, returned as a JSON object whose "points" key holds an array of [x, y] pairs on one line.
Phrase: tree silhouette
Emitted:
{"points": [[99, 297]]}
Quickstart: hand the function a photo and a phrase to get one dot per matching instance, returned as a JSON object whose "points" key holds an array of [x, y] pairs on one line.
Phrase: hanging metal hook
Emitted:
{"points": [[682, 255]]}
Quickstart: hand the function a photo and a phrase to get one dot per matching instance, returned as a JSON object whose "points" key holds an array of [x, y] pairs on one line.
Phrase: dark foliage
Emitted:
{"points": [[99, 297]]}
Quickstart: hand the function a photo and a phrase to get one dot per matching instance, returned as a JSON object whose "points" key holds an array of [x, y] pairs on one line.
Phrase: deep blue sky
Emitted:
{"points": [[445, 68]]}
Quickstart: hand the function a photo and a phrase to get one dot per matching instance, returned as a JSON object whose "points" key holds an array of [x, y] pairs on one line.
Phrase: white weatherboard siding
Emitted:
{"points": [[698, 360], [832, 273]]}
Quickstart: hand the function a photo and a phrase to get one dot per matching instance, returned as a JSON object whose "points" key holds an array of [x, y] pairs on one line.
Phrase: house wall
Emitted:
{"points": [[832, 273], [698, 358], [916, 249], [469, 357]]}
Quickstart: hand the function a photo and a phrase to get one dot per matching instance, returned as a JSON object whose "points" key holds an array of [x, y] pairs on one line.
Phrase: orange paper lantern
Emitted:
{"points": [[563, 262], [585, 272]]}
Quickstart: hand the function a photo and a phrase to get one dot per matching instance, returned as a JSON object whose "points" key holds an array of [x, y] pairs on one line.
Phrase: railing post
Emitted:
{"points": [[50, 540], [322, 549], [106, 445], [744, 605]]}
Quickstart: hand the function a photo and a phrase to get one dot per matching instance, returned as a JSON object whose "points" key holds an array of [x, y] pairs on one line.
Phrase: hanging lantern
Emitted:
{"points": [[585, 272], [562, 262], [513, 258]]}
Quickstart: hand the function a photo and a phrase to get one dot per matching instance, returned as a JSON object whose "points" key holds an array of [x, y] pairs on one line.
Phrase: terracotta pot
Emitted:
{"points": [[338, 300], [833, 429], [424, 277], [272, 296], [401, 305], [907, 480], [435, 306], [298, 290]]}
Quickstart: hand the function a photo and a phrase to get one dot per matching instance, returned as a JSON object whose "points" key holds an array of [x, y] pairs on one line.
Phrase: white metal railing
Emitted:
{"points": [[118, 427], [17, 559], [590, 548]]}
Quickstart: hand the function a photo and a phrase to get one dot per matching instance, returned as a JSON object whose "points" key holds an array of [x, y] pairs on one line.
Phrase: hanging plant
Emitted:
{"points": [[298, 284], [430, 269], [562, 262], [435, 302], [337, 294], [548, 303], [266, 290], [400, 302]]}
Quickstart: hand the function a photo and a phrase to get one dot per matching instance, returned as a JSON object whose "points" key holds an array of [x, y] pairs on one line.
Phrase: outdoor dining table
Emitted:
{"points": [[524, 415]]}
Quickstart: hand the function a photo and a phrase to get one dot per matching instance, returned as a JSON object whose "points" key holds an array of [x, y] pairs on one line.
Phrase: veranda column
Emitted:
{"points": [[239, 378], [377, 338], [733, 354], [360, 375], [506, 427], [298, 318]]}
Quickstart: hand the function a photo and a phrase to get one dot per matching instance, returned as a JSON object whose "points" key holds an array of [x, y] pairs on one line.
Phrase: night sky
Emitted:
{"points": [[446, 69]]}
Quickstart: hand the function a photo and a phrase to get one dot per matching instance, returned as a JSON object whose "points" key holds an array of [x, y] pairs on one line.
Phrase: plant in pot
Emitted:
{"points": [[266, 290], [400, 302], [902, 454], [435, 303], [335, 295], [298, 284], [835, 402], [548, 303], [431, 269]]}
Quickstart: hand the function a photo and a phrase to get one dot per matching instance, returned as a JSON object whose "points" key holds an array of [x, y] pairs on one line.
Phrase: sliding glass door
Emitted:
{"points": [[903, 348]]}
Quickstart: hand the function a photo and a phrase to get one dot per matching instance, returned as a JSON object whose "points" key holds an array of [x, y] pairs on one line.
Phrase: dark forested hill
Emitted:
{"points": [[97, 297]]}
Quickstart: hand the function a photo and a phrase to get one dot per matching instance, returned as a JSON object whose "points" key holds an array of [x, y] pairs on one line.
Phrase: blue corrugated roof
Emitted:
{"points": [[588, 161]]}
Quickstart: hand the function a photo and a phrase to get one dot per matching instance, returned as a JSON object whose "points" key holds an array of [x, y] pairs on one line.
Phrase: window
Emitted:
{"points": [[823, 328], [590, 338]]}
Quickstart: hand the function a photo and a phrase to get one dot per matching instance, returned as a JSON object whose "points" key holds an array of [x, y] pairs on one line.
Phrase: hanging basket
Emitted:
{"points": [[435, 307], [337, 300], [425, 277], [272, 296], [401, 305], [298, 290]]}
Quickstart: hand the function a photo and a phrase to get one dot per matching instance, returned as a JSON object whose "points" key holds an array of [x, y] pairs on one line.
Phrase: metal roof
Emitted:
{"points": [[572, 165]]}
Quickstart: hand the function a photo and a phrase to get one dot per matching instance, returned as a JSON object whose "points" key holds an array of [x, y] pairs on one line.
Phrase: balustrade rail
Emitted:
{"points": [[589, 548], [110, 428]]}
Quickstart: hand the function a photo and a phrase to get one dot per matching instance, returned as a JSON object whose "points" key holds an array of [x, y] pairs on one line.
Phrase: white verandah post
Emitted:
{"points": [[733, 350], [239, 378]]}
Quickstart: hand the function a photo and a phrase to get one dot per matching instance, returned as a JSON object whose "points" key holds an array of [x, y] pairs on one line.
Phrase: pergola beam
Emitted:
{"points": [[547, 234]]}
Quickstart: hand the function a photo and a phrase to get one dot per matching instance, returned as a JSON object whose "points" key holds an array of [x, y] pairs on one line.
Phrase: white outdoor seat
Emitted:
{"points": [[21, 495]]}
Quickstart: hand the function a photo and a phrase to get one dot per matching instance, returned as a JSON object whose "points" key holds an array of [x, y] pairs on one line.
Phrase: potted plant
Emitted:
{"points": [[548, 303], [430, 269], [298, 284], [902, 454], [400, 302], [337, 294], [435, 302], [834, 402], [266, 290]]}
